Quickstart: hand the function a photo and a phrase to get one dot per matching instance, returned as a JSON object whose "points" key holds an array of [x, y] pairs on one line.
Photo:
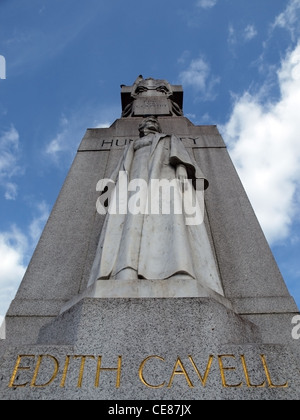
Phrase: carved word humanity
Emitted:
{"points": [[107, 144], [88, 370]]}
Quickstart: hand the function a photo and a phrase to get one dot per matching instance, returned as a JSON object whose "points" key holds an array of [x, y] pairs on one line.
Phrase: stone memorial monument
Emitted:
{"points": [[152, 279]]}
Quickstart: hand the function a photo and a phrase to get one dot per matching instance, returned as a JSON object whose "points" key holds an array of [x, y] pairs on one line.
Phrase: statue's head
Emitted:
{"points": [[149, 125]]}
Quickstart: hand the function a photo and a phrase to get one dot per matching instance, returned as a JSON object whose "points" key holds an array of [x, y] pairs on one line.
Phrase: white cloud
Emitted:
{"points": [[13, 247], [206, 4], [205, 118], [102, 124], [38, 223], [231, 35], [198, 75], [56, 145], [239, 37], [264, 144], [9, 156], [191, 116], [15, 250], [11, 191], [60, 142], [72, 128], [289, 18], [184, 57], [250, 32]]}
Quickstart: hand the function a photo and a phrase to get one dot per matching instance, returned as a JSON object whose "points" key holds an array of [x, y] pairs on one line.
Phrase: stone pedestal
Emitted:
{"points": [[149, 349]]}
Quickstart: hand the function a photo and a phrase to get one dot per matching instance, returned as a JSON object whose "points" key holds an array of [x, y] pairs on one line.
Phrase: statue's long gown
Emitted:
{"points": [[156, 246]]}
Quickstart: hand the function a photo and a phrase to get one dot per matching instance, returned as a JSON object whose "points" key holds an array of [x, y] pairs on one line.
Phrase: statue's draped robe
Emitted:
{"points": [[157, 246]]}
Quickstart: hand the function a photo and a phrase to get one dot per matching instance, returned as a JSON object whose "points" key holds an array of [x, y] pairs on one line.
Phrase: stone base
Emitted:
{"points": [[149, 349], [170, 288], [153, 322]]}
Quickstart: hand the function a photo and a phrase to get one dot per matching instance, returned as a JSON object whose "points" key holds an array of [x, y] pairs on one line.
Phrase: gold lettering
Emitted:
{"points": [[117, 369], [141, 373], [56, 366], [43, 361], [180, 372], [248, 382], [222, 371], [271, 385], [64, 375], [204, 379], [15, 371], [81, 370]]}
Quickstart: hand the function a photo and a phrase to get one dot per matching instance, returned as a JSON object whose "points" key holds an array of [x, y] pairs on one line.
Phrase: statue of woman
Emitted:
{"points": [[147, 245]]}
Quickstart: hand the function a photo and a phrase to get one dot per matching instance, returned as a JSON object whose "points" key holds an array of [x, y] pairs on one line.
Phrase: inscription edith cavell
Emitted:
{"points": [[84, 371]]}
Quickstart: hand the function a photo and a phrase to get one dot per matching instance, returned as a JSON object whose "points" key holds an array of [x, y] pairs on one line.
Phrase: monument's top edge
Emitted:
{"points": [[128, 89], [150, 84], [151, 97]]}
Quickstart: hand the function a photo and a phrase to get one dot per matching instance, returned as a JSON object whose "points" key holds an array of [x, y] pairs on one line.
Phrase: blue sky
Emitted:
{"points": [[237, 60]]}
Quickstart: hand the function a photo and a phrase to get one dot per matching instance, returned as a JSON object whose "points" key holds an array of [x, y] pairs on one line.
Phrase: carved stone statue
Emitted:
{"points": [[144, 94], [156, 244]]}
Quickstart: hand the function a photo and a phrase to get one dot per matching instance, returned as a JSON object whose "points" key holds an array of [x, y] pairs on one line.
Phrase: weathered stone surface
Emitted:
{"points": [[152, 349], [172, 288], [205, 318]]}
